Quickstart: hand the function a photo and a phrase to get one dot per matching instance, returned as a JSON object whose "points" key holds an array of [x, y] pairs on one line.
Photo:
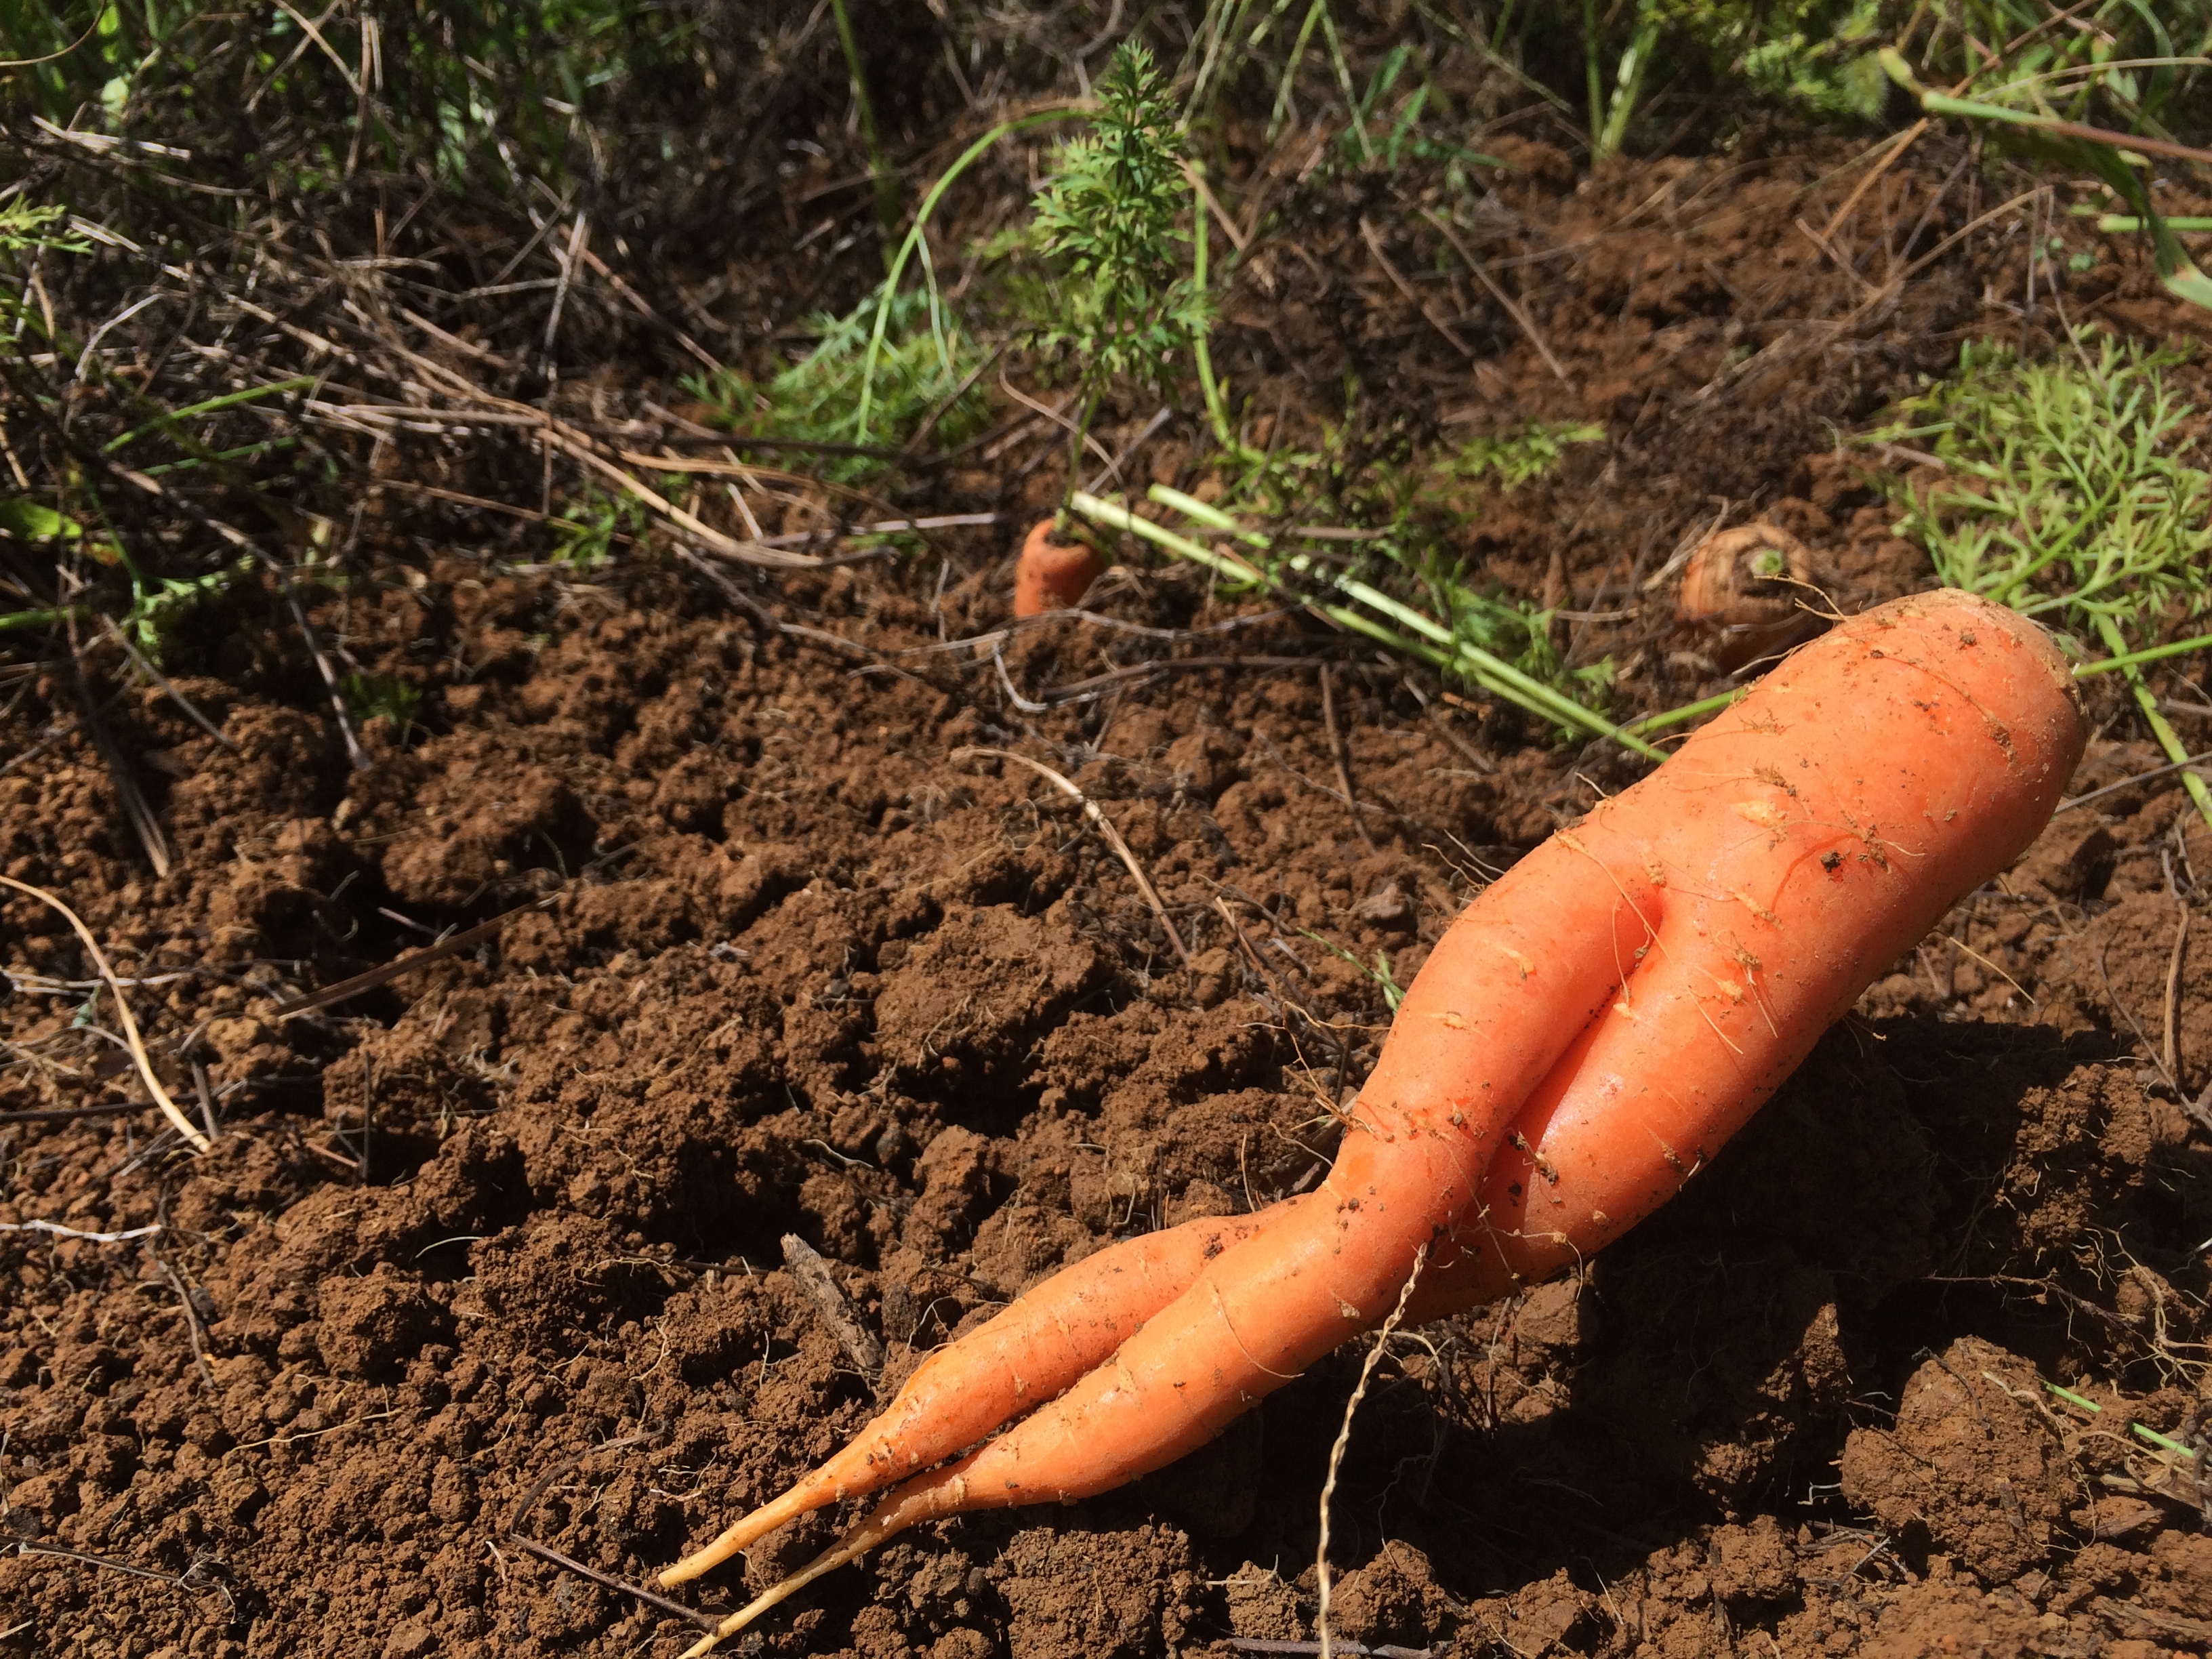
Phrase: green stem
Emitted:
{"points": [[966, 159], [169, 417], [1689, 711], [886, 180], [2168, 739], [1590, 72], [1633, 64], [1344, 79], [1428, 639], [2165, 1442], [2123, 224], [20, 620], [1291, 70], [1200, 236], [2150, 653]]}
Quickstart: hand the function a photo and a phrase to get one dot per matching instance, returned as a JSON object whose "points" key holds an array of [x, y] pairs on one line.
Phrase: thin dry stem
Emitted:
{"points": [[1336, 755], [813, 1275], [1514, 308], [193, 1136], [1105, 828]]}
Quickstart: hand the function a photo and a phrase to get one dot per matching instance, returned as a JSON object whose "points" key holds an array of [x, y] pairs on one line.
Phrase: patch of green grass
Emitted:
{"points": [[922, 369], [481, 91], [2069, 495]]}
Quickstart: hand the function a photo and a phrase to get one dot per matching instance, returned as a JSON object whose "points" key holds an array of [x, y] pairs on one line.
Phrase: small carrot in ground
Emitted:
{"points": [[1588, 1031], [1051, 574]]}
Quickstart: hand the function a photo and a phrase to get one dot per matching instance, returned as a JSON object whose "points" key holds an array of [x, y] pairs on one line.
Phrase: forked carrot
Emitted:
{"points": [[1585, 1036], [1031, 1351]]}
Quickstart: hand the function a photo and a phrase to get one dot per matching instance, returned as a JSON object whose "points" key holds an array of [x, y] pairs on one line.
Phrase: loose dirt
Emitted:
{"points": [[486, 1259]]}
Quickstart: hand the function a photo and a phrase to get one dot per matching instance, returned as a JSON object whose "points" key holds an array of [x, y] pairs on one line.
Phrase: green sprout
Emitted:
{"points": [[379, 696], [1107, 223], [1379, 971], [1517, 455], [586, 530]]}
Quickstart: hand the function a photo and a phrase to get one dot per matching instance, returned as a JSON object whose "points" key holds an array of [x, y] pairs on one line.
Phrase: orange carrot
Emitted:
{"points": [[1028, 1352], [1593, 1027], [1051, 574]]}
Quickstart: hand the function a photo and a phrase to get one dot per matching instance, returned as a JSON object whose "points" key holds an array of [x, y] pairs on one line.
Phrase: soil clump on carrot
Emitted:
{"points": [[787, 968]]}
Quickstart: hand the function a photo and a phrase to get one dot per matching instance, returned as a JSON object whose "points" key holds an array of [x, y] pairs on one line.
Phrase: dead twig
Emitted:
{"points": [[143, 823], [1337, 755], [69, 1114], [191, 1317], [547, 1552], [55, 1230], [193, 1137], [1514, 308], [2112, 996], [195, 1578], [2194, 1630], [1105, 828], [2129, 783], [346, 989], [145, 665], [813, 1275], [691, 1616], [1397, 281]]}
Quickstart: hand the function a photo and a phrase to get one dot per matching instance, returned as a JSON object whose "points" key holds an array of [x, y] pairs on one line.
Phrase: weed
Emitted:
{"points": [[34, 228], [1818, 53], [2066, 496], [588, 529], [159, 608], [922, 369], [1107, 222], [2070, 500], [1515, 456], [378, 696], [1378, 970]]}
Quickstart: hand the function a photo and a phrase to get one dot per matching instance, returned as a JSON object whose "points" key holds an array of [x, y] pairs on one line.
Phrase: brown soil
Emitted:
{"points": [[494, 1248]]}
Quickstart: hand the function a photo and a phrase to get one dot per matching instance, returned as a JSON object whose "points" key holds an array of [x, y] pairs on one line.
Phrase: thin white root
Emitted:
{"points": [[191, 1131], [1344, 1439]]}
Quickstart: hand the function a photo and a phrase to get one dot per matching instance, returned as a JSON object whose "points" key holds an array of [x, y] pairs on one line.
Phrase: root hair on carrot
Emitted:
{"points": [[1344, 1439]]}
